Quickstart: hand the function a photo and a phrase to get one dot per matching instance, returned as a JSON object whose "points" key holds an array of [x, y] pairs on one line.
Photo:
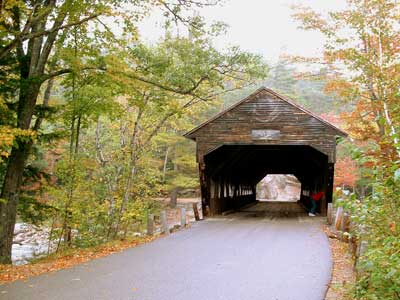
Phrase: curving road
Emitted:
{"points": [[250, 255]]}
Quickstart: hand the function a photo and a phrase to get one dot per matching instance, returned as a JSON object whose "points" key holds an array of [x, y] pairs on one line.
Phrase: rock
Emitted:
{"points": [[29, 241], [279, 188], [18, 240]]}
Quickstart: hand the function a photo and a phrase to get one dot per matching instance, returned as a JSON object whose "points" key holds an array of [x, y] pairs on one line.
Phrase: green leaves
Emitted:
{"points": [[100, 128], [188, 67], [379, 215]]}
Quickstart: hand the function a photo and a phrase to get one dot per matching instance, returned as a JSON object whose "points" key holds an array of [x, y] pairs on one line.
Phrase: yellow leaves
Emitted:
{"points": [[4, 154], [8, 136], [7, 6], [337, 55]]}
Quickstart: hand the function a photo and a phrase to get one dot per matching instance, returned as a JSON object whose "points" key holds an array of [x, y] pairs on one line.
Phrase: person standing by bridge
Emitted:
{"points": [[314, 199]]}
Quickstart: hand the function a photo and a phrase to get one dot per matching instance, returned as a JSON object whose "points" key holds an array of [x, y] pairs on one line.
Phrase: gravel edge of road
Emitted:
{"points": [[343, 273]]}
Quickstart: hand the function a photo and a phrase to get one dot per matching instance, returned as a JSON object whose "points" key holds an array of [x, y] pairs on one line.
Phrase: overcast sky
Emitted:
{"points": [[261, 26]]}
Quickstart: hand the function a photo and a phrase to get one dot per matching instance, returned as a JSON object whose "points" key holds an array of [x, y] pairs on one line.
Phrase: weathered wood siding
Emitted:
{"points": [[266, 111], [264, 133]]}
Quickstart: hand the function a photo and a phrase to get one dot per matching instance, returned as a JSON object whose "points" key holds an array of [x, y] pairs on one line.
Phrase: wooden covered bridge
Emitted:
{"points": [[265, 133]]}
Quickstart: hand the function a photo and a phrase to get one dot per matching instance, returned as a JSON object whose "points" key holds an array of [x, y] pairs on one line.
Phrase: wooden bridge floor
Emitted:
{"points": [[275, 209]]}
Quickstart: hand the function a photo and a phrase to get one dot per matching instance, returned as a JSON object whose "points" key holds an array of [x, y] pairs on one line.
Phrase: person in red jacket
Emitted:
{"points": [[314, 199]]}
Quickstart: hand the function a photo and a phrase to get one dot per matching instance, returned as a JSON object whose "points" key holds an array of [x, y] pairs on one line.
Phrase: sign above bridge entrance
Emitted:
{"points": [[265, 134]]}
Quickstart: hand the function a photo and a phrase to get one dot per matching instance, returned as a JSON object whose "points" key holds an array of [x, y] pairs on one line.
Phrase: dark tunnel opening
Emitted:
{"points": [[233, 171]]}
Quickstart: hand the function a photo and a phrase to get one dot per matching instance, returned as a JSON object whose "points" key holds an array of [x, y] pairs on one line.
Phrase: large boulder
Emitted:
{"points": [[279, 188]]}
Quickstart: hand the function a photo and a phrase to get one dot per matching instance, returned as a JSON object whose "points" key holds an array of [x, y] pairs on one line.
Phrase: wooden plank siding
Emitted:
{"points": [[265, 118], [265, 110]]}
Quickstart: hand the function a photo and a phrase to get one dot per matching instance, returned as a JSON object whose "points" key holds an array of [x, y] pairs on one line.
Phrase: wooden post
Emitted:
{"points": [[329, 183], [183, 216], [164, 222], [150, 224], [207, 210], [330, 213], [205, 185], [338, 219], [344, 226], [346, 222], [196, 212]]}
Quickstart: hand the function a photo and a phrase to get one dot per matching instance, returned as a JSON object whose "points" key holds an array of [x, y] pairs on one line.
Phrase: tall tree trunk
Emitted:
{"points": [[74, 147], [174, 192], [131, 170], [15, 168], [9, 199], [72, 157], [165, 163]]}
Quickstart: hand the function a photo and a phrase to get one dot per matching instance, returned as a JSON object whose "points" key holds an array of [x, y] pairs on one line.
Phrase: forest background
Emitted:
{"points": [[92, 116]]}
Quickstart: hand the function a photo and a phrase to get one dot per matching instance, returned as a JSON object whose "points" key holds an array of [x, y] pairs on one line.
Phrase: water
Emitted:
{"points": [[29, 242]]}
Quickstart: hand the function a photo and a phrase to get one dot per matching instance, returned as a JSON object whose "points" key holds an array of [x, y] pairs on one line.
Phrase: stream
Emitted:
{"points": [[29, 242]]}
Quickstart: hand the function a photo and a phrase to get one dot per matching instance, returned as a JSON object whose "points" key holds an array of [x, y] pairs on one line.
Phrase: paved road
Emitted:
{"points": [[251, 255]]}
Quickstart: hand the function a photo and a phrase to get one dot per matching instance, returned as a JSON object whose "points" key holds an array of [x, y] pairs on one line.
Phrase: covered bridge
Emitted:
{"points": [[265, 133]]}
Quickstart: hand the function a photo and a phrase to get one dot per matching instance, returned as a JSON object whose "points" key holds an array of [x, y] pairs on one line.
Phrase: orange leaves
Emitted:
{"points": [[346, 172], [331, 117], [392, 227], [341, 87], [361, 123], [309, 18], [336, 55], [10, 273]]}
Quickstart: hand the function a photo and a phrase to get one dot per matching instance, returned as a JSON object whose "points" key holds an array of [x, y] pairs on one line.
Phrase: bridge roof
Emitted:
{"points": [[192, 134]]}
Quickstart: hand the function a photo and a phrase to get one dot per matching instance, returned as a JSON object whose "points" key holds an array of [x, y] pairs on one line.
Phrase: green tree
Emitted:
{"points": [[115, 117], [29, 33]]}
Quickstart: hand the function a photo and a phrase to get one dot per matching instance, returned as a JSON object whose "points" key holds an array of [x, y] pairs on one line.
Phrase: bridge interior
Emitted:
{"points": [[233, 171]]}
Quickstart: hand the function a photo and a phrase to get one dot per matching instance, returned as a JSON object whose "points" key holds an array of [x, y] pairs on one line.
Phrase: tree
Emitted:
{"points": [[29, 32], [362, 51], [171, 78], [169, 92]]}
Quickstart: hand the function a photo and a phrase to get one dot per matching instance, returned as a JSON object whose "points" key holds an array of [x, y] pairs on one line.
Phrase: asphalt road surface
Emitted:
{"points": [[250, 255]]}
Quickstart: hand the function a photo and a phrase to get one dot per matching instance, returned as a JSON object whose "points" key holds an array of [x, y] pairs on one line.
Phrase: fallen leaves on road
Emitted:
{"points": [[9, 273], [343, 272]]}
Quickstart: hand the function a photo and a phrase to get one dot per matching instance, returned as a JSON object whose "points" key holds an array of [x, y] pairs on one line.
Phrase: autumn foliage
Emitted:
{"points": [[362, 53], [346, 173]]}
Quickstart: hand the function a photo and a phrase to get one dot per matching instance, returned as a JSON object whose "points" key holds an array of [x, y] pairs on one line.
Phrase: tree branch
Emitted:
{"points": [[187, 91], [26, 36], [67, 71]]}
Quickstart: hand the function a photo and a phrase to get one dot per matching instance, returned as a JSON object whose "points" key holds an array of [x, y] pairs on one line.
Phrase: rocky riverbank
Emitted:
{"points": [[29, 242]]}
